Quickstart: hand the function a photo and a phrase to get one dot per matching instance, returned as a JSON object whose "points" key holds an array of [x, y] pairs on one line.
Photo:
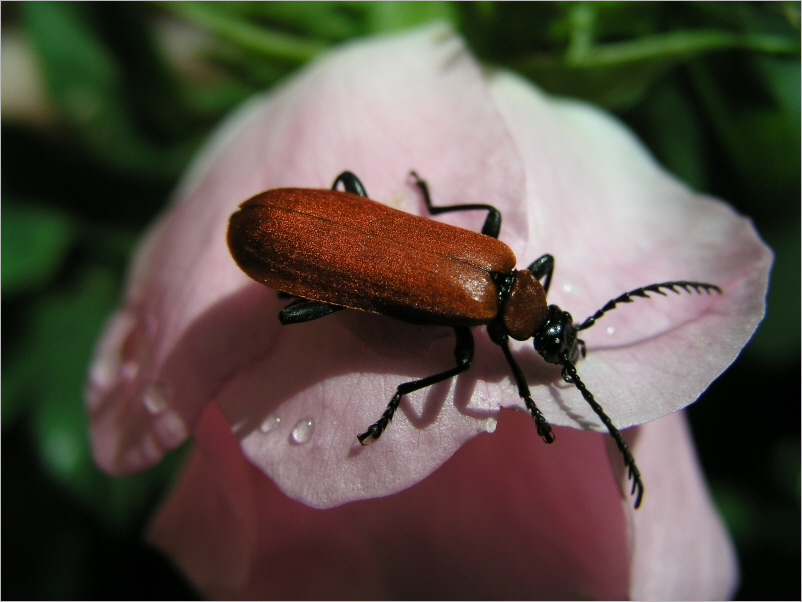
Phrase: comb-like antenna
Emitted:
{"points": [[688, 287], [570, 376]]}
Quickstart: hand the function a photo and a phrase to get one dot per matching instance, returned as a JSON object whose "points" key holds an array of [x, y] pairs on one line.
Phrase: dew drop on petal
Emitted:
{"points": [[303, 430], [270, 423], [156, 397], [128, 371], [107, 367], [490, 424], [105, 371]]}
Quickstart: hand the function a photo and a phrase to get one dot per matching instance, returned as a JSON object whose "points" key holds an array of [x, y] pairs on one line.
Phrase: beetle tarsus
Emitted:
{"points": [[544, 429], [377, 428]]}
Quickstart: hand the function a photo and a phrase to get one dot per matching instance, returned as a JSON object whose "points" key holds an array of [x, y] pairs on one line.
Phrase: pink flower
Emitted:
{"points": [[280, 501]]}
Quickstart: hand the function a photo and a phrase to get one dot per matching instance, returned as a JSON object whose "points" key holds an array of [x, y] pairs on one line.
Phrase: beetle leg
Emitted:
{"points": [[303, 310], [463, 353], [542, 269], [492, 225], [499, 336], [351, 184]]}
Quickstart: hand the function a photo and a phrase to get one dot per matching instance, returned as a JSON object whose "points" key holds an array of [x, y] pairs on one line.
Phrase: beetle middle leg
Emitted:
{"points": [[304, 310], [492, 225], [463, 353]]}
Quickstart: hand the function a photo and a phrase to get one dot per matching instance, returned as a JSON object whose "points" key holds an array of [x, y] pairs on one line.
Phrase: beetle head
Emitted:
{"points": [[556, 336]]}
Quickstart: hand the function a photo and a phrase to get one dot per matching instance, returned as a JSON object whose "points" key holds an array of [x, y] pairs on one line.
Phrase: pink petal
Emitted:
{"points": [[194, 329], [502, 519], [680, 549]]}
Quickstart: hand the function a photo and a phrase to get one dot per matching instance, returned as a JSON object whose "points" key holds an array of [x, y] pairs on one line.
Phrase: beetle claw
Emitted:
{"points": [[374, 432]]}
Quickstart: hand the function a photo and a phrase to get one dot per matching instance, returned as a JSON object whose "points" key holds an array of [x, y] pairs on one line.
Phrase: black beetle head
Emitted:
{"points": [[556, 336]]}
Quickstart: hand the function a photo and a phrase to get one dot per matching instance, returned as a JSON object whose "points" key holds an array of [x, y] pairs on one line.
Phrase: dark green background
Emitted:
{"points": [[712, 88]]}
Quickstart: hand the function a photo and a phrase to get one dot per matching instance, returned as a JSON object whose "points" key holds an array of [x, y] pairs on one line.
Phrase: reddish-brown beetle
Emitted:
{"points": [[335, 250]]}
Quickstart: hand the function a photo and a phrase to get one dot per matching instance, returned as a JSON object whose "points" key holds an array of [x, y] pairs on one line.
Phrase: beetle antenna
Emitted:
{"points": [[570, 375], [688, 287]]}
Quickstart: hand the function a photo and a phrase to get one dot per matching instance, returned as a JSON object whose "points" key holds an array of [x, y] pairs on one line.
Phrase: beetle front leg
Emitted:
{"points": [[350, 183], [542, 268], [463, 353], [499, 336]]}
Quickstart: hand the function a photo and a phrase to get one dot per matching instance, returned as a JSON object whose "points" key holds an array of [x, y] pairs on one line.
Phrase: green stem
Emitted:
{"points": [[255, 38], [669, 46], [679, 44]]}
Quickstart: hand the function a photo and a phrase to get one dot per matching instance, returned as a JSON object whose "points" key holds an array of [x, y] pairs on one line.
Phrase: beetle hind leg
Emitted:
{"points": [[463, 353], [492, 225]]}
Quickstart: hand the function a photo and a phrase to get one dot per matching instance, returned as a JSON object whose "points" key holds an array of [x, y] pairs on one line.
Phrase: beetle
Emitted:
{"points": [[333, 249]]}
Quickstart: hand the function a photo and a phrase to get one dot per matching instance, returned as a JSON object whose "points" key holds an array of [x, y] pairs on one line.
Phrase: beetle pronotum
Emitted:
{"points": [[334, 250]]}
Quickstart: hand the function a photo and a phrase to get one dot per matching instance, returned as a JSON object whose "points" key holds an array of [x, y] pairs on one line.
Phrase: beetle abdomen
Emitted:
{"points": [[346, 250]]}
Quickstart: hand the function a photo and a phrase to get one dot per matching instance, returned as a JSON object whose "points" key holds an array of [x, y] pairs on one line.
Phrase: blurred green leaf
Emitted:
{"points": [[267, 40], [295, 32], [242, 32], [776, 341], [331, 21], [87, 84], [674, 129], [35, 240], [755, 521], [761, 138], [786, 467], [616, 75], [48, 373], [395, 16], [49, 366]]}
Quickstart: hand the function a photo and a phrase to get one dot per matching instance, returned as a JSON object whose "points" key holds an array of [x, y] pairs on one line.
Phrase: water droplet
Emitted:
{"points": [[157, 397], [270, 423], [490, 424], [610, 330], [128, 371], [105, 371], [303, 430]]}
